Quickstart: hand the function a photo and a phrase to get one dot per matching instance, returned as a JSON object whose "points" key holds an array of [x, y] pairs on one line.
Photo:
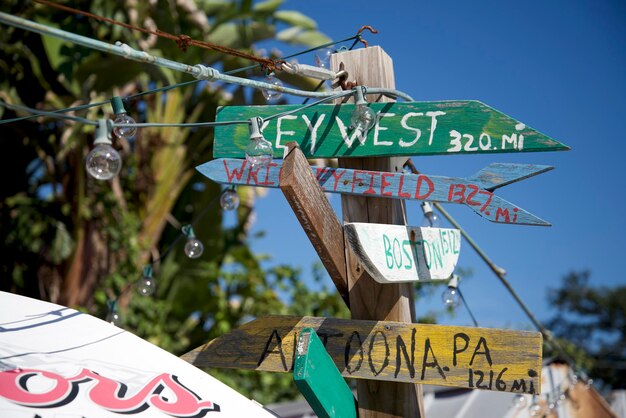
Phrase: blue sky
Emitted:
{"points": [[557, 66]]}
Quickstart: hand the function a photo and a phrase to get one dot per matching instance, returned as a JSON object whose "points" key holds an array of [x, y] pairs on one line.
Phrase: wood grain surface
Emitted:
{"points": [[409, 128], [474, 192], [469, 357], [397, 253]]}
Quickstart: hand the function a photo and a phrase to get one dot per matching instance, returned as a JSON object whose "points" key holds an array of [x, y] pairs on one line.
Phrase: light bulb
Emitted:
{"points": [[536, 410], [103, 162], [121, 117], [322, 57], [259, 151], [147, 285], [272, 94], [430, 218], [193, 248], [113, 317], [229, 200], [450, 297], [363, 118], [519, 401], [123, 131]]}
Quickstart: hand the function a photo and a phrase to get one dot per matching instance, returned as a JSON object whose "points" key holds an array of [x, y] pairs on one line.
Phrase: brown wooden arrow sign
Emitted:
{"points": [[480, 358]]}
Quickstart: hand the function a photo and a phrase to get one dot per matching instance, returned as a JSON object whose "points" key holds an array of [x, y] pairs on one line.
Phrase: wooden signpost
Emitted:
{"points": [[474, 192], [318, 379], [396, 253], [479, 358], [372, 264], [417, 128]]}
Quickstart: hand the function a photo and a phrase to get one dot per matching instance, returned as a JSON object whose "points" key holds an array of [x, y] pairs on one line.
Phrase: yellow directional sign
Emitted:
{"points": [[480, 358]]}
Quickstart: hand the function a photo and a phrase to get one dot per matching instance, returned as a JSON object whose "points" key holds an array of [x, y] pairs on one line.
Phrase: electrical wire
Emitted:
{"points": [[172, 245], [183, 41], [356, 39], [471, 314], [300, 108], [53, 114], [330, 97], [500, 274]]}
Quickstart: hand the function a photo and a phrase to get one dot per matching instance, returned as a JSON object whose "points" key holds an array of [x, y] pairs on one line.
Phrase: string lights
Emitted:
{"points": [[363, 117], [322, 57], [229, 199], [193, 247], [259, 151], [103, 162], [113, 316], [146, 285], [271, 94], [450, 296], [121, 119], [430, 217]]}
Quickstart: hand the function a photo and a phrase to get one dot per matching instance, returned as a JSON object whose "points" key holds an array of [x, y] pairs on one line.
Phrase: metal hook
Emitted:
{"points": [[360, 34]]}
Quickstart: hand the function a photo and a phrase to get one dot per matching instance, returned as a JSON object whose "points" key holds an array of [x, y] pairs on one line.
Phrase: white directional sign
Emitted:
{"points": [[395, 253]]}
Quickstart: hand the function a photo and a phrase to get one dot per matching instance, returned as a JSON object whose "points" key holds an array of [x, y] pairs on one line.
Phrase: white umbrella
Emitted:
{"points": [[59, 363]]}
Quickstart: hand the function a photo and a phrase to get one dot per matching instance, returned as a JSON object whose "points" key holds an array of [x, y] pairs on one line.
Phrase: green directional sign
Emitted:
{"points": [[413, 128], [319, 380]]}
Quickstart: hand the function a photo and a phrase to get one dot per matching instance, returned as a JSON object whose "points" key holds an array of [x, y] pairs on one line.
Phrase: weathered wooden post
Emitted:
{"points": [[369, 299]]}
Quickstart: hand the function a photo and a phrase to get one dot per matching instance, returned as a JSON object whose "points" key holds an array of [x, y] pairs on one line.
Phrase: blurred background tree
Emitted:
{"points": [[591, 321], [76, 241]]}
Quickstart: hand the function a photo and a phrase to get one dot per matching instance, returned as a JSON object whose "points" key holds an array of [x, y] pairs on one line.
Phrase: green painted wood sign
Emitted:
{"points": [[468, 357], [414, 128], [318, 379], [474, 192]]}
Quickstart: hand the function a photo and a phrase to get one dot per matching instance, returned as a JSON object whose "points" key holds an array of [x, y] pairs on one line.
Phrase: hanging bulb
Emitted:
{"points": [[363, 118], [536, 410], [113, 317], [193, 246], [430, 218], [229, 199], [322, 57], [121, 117], [147, 285], [519, 401], [272, 94], [259, 151], [103, 162], [450, 296]]}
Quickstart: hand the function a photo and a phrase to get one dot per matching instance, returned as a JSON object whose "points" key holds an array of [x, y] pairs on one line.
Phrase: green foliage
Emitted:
{"points": [[76, 241], [593, 321]]}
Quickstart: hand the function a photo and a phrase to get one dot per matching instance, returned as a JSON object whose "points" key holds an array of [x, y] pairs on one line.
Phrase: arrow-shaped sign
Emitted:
{"points": [[399, 253], [469, 357], [475, 192], [415, 128]]}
